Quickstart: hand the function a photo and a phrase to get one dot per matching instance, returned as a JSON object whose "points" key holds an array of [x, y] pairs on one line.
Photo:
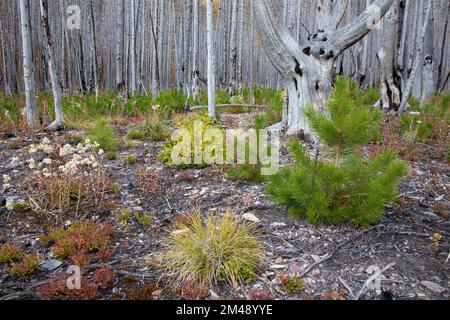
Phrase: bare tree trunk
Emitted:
{"points": [[120, 44], [28, 70], [56, 86], [233, 49], [252, 54], [92, 32], [307, 69], [211, 59], [195, 57], [5, 71], [133, 86], [240, 34], [428, 79], [419, 56], [156, 87]]}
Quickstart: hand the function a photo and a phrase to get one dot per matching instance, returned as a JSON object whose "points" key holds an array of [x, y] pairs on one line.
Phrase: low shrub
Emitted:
{"points": [[188, 124], [27, 266], [130, 159], [10, 253], [80, 242]]}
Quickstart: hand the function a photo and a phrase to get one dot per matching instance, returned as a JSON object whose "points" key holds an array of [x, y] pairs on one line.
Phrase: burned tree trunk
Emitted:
{"points": [[307, 68]]}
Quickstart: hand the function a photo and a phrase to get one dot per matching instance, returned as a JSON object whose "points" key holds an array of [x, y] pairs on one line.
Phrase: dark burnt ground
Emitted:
{"points": [[329, 257]]}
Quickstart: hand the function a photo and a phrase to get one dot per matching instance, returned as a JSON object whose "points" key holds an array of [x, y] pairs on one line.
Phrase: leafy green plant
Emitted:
{"points": [[212, 250], [188, 124], [345, 188], [144, 219], [102, 133]]}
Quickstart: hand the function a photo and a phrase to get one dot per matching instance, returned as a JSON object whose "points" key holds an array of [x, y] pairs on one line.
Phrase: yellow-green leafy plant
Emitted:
{"points": [[188, 124], [212, 250]]}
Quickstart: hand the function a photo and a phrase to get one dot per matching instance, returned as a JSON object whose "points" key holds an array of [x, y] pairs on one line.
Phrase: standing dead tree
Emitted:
{"points": [[56, 85], [28, 71], [307, 67]]}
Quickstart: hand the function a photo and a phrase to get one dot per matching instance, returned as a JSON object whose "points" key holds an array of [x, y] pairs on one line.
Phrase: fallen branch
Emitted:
{"points": [[330, 254], [349, 289], [364, 288], [222, 106]]}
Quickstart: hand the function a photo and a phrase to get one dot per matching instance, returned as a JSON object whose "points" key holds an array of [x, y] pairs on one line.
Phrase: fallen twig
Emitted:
{"points": [[330, 254], [371, 279]]}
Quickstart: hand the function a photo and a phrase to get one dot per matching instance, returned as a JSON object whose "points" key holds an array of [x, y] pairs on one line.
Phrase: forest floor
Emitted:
{"points": [[332, 260]]}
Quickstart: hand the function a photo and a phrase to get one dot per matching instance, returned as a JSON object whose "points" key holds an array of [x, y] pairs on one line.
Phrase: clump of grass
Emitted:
{"points": [[130, 160], [251, 172], [27, 266], [154, 128], [63, 193], [20, 206], [212, 250], [9, 253], [102, 133]]}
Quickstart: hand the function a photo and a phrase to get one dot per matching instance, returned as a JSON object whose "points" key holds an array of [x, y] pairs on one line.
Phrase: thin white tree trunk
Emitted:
{"points": [[133, 86], [233, 49], [56, 86], [5, 71], [211, 59], [28, 70], [120, 44], [195, 57]]}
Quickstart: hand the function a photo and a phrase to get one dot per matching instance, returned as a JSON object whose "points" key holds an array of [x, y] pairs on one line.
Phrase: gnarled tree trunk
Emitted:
{"points": [[307, 67]]}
